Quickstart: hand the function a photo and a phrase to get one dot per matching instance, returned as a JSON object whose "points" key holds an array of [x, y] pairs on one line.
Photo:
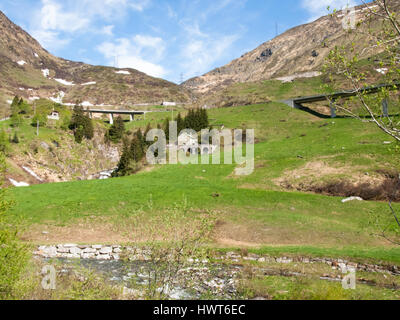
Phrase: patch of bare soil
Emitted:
{"points": [[320, 177], [79, 233], [230, 234]]}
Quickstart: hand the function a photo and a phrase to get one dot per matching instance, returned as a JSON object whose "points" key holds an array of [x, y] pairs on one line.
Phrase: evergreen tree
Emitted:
{"points": [[15, 139], [141, 138], [116, 132], [3, 142], [124, 161], [146, 132], [81, 124], [189, 120], [79, 134], [180, 123], [88, 129], [204, 119], [136, 150], [166, 128], [14, 103]]}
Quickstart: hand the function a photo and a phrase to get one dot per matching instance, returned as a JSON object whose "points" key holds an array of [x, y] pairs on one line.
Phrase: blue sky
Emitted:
{"points": [[164, 38]]}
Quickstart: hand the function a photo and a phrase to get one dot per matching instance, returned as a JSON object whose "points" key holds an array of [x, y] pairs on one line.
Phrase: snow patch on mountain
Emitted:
{"points": [[87, 104], [32, 173], [59, 98], [21, 62], [65, 82], [18, 184], [46, 73]]}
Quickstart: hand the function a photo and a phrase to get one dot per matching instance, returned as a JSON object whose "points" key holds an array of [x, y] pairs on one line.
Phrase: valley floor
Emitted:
{"points": [[261, 213]]}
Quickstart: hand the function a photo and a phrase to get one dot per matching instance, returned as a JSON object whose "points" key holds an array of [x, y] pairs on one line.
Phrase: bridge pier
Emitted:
{"points": [[111, 118], [290, 103], [333, 108], [131, 117], [385, 107]]}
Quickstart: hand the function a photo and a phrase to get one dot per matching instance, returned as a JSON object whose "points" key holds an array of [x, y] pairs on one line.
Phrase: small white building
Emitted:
{"points": [[188, 142], [169, 104], [55, 115]]}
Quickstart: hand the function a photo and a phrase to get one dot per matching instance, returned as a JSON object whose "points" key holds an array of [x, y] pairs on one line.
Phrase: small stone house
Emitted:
{"points": [[55, 115], [188, 142]]}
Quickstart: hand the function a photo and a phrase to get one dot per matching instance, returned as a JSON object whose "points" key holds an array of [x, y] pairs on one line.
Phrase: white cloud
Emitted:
{"points": [[107, 30], [131, 53], [56, 19], [202, 50], [53, 17], [50, 39], [318, 8]]}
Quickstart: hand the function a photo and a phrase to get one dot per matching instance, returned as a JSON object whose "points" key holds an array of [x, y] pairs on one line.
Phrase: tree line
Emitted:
{"points": [[134, 150]]}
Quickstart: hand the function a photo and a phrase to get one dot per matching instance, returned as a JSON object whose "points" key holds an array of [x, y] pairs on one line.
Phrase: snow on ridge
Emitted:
{"points": [[88, 83], [46, 73], [292, 77], [21, 62], [34, 98], [65, 82], [32, 173], [18, 184], [87, 104], [122, 72], [59, 98]]}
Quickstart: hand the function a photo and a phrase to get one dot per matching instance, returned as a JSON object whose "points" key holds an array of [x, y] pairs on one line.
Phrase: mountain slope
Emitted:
{"points": [[28, 70], [297, 51]]}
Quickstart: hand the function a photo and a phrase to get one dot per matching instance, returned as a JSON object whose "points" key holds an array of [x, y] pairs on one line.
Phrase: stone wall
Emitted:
{"points": [[113, 252]]}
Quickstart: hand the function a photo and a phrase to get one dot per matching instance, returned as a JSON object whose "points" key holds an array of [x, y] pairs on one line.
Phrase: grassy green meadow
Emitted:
{"points": [[253, 210]]}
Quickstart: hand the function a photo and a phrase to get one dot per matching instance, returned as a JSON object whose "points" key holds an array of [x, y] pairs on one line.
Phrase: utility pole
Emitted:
{"points": [[37, 128]]}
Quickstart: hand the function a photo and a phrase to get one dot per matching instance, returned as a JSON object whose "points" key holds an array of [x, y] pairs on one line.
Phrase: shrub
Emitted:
{"points": [[81, 124], [42, 119], [14, 255]]}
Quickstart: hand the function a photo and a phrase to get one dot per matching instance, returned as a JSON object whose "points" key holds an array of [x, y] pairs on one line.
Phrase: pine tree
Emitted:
{"points": [[136, 150], [180, 123], [204, 119], [15, 102], [146, 132], [15, 139], [88, 129], [124, 161], [3, 141], [116, 132], [141, 139], [166, 128], [81, 124]]}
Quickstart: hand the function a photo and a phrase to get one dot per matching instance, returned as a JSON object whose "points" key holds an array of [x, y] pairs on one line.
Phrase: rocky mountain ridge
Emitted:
{"points": [[298, 51], [30, 71]]}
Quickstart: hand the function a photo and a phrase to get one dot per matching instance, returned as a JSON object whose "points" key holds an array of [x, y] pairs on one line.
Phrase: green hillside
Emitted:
{"points": [[287, 140]]}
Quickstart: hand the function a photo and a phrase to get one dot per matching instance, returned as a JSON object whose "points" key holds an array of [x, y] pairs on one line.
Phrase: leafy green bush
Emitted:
{"points": [[41, 118], [14, 255]]}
